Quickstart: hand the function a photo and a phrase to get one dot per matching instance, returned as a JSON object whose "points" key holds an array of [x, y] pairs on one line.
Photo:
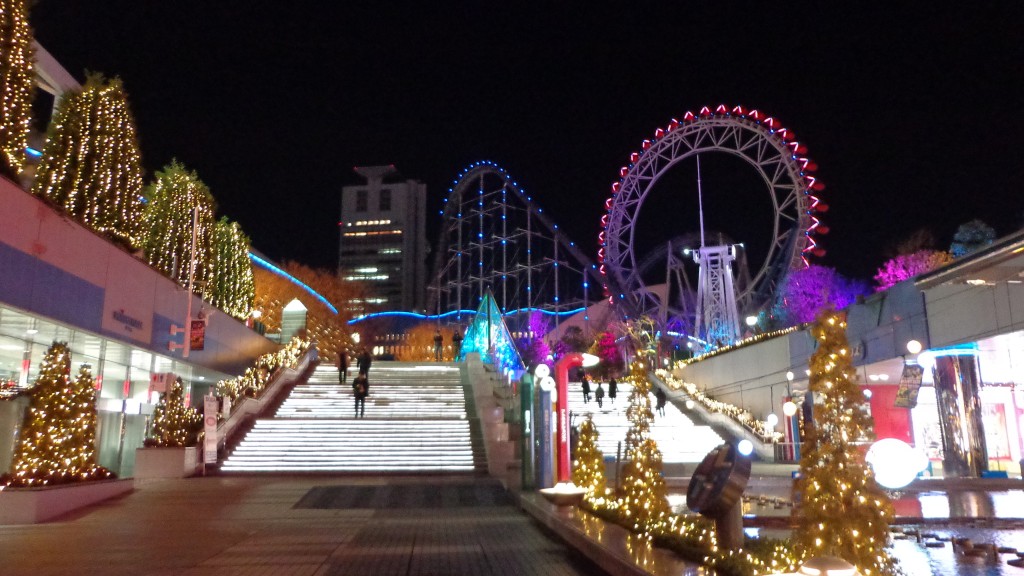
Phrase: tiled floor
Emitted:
{"points": [[227, 526]]}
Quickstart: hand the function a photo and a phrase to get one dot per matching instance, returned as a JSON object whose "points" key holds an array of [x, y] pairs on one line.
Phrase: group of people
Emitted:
{"points": [[439, 344], [361, 383], [613, 389], [599, 393]]}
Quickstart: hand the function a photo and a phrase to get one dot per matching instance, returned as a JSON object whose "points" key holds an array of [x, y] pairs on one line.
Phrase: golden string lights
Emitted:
{"points": [[17, 85]]}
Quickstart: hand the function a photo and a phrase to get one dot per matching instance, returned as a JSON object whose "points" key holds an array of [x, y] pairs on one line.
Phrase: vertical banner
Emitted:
{"points": [[210, 428], [197, 335], [543, 440]]}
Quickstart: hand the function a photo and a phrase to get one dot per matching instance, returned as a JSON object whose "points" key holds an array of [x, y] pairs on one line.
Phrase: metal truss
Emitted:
{"points": [[496, 237]]}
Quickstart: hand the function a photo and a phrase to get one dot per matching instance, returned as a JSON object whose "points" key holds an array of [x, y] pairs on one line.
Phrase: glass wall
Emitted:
{"points": [[123, 374]]}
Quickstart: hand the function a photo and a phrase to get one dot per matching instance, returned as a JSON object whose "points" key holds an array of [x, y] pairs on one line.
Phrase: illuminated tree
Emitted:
{"points": [[906, 266], [971, 236], [231, 287], [608, 353], [806, 292], [642, 501], [572, 340], [843, 512], [57, 443], [168, 224], [588, 464], [17, 85], [532, 347], [274, 290], [91, 164], [174, 424]]}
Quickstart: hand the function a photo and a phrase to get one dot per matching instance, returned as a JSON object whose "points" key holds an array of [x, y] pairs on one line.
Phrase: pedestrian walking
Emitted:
{"points": [[438, 345], [456, 343], [361, 389], [342, 365], [363, 361], [659, 395], [599, 395], [585, 382], [613, 389]]}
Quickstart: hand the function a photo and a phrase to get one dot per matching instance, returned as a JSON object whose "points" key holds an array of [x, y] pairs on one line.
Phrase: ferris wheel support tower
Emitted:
{"points": [[717, 319]]}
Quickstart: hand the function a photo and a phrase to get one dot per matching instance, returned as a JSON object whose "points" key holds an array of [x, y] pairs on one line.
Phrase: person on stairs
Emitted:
{"points": [[342, 365], [438, 345], [613, 389], [363, 361], [659, 395], [360, 388], [585, 383], [599, 395]]}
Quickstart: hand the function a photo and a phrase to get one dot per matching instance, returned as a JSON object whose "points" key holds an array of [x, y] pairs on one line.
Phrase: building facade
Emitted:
{"points": [[382, 242]]}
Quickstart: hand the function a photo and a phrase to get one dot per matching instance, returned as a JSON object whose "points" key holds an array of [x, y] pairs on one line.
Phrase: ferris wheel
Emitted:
{"points": [[771, 150]]}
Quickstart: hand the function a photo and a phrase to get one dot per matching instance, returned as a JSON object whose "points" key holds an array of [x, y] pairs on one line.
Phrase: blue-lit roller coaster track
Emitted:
{"points": [[495, 237]]}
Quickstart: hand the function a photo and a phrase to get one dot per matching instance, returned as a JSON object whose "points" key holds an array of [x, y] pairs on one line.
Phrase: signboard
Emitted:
{"points": [[210, 428], [197, 335], [910, 385]]}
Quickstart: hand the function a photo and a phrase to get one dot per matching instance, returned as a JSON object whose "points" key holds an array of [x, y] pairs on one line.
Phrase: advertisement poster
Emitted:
{"points": [[210, 428], [910, 385], [197, 336]]}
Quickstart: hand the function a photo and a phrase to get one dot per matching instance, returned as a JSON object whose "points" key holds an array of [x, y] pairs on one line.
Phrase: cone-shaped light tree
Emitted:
{"points": [[91, 164], [643, 502], [588, 466], [17, 85], [843, 512], [57, 443], [168, 224], [174, 424], [231, 287]]}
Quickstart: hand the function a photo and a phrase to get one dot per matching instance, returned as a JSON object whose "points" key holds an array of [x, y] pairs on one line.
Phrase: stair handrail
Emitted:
{"points": [[250, 406], [764, 448]]}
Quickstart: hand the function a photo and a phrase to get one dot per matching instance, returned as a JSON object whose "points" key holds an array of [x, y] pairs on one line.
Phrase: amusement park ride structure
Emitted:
{"points": [[495, 237]]}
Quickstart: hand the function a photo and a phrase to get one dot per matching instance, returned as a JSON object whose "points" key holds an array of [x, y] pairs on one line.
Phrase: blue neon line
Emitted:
{"points": [[292, 279], [33, 152], [446, 314]]}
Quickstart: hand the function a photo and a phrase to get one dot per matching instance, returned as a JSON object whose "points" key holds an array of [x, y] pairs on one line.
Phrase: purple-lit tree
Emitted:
{"points": [[533, 349], [806, 292], [907, 266], [608, 352]]}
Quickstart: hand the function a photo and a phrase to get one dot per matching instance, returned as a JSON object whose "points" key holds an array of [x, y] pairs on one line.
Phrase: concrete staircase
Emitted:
{"points": [[678, 438], [415, 421]]}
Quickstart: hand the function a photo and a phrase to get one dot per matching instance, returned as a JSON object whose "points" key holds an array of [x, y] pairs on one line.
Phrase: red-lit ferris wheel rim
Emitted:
{"points": [[759, 139]]}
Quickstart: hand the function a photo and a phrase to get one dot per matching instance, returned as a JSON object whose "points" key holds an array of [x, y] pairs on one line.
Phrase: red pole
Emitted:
{"points": [[562, 367]]}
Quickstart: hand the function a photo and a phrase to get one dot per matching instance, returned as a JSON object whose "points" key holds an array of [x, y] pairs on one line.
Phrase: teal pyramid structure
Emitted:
{"points": [[489, 336]]}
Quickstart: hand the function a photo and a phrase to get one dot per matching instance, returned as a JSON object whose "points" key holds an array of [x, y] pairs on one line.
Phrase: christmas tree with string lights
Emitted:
{"points": [[168, 221], [588, 465], [91, 165], [643, 501], [57, 443], [231, 287], [842, 512], [17, 85], [174, 424]]}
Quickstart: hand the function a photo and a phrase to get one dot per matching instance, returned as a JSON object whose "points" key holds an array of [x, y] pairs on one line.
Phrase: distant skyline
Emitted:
{"points": [[913, 116]]}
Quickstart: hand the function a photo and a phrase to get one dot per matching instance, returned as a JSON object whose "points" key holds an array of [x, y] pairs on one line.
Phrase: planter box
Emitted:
{"points": [[35, 505], [166, 462]]}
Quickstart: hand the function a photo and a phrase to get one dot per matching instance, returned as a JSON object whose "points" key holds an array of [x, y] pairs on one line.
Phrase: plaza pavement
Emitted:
{"points": [[296, 526]]}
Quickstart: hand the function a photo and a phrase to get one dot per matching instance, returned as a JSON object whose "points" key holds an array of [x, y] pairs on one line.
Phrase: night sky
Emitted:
{"points": [[914, 116]]}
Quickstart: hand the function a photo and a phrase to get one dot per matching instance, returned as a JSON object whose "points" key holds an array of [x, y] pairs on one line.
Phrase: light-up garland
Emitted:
{"points": [[643, 509], [91, 166], [740, 344], [57, 441], [174, 424], [842, 512], [742, 416], [255, 379], [168, 222], [17, 84], [231, 287], [774, 128]]}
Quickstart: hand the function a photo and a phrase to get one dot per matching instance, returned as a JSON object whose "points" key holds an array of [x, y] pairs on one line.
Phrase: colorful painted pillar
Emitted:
{"points": [[957, 383], [526, 412]]}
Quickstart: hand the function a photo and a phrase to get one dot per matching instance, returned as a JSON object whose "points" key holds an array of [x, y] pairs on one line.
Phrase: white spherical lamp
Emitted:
{"points": [[914, 347], [789, 408], [771, 420]]}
